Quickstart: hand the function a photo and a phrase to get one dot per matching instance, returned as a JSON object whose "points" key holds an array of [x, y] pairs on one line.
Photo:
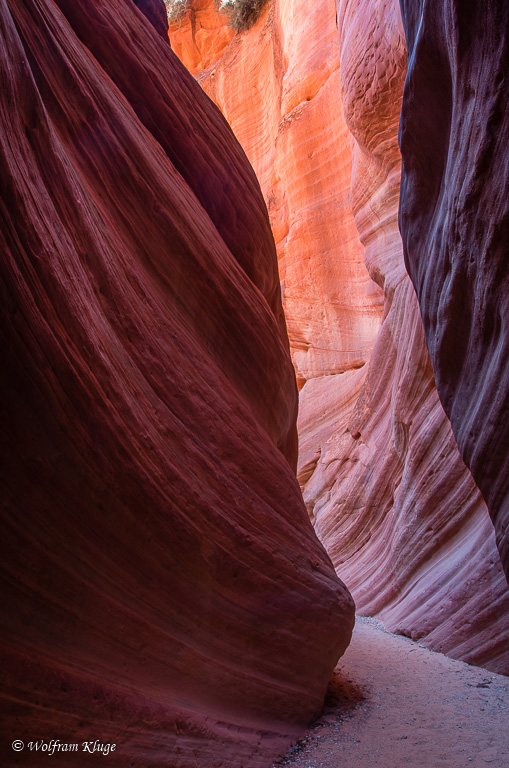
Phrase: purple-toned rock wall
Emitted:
{"points": [[454, 219]]}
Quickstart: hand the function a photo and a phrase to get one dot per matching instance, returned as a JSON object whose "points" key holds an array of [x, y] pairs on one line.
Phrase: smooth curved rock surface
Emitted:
{"points": [[163, 588], [382, 477], [455, 224]]}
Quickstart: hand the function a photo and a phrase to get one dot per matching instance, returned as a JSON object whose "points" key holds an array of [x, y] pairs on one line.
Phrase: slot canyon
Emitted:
{"points": [[251, 390]]}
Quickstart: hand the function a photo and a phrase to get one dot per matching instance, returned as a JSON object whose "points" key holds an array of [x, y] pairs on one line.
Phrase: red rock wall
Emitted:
{"points": [[315, 101], [454, 135], [163, 588]]}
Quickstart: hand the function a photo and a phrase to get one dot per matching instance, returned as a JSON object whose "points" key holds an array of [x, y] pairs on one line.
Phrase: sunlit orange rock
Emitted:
{"points": [[200, 36], [162, 586], [286, 111], [314, 99]]}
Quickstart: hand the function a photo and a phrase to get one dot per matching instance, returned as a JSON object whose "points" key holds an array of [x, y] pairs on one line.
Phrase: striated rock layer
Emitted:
{"points": [[384, 483], [455, 224], [163, 588], [413, 532]]}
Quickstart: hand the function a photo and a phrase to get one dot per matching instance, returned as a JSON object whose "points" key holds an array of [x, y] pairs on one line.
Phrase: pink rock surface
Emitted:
{"points": [[393, 502], [454, 220], [382, 477], [163, 588]]}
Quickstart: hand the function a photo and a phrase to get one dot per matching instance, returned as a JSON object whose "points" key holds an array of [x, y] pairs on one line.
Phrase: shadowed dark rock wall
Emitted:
{"points": [[454, 218], [155, 13], [163, 588]]}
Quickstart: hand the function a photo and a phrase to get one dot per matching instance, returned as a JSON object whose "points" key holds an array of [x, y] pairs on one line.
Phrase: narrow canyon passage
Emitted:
{"points": [[228, 389], [393, 703], [313, 91]]}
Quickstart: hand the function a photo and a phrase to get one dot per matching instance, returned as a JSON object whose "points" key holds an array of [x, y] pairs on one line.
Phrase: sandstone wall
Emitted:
{"points": [[420, 550], [456, 225], [313, 93], [162, 586]]}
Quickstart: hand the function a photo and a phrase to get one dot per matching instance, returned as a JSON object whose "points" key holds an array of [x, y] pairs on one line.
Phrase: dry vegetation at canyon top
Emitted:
{"points": [[240, 15]]}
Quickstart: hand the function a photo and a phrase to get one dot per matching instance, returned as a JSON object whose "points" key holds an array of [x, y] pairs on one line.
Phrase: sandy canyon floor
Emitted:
{"points": [[394, 704]]}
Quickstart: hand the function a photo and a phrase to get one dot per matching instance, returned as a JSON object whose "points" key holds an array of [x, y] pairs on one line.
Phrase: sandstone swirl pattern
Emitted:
{"points": [[456, 225], [163, 588], [382, 477]]}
